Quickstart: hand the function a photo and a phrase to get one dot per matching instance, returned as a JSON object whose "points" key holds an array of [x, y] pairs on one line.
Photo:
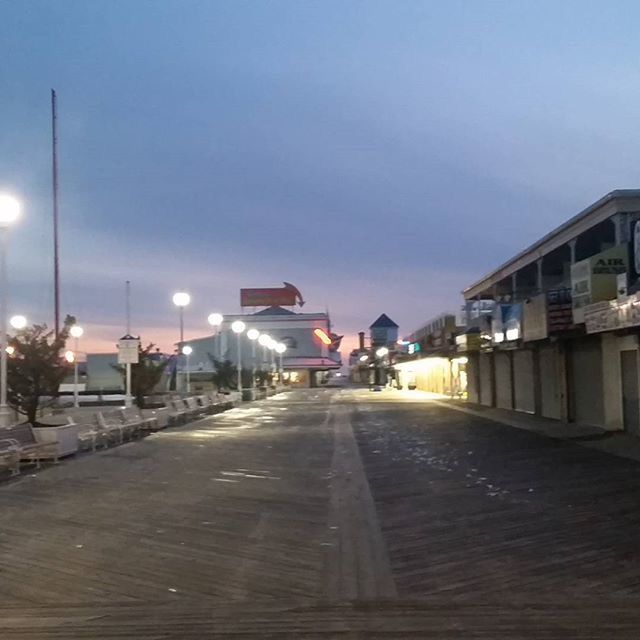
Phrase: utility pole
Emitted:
{"points": [[56, 257]]}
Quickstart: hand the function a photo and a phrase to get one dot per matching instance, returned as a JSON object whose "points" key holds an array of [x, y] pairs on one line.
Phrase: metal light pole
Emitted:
{"points": [[238, 328], [181, 300], [272, 348], [215, 320], [9, 213], [188, 350], [264, 341], [253, 335], [76, 332], [280, 349]]}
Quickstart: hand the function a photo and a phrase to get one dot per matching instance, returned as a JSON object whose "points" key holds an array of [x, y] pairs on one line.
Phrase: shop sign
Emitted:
{"points": [[286, 296], [128, 350], [506, 324], [468, 342], [534, 318], [595, 279], [613, 314], [559, 311]]}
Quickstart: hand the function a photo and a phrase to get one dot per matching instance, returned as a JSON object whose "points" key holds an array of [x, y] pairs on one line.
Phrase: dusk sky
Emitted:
{"points": [[379, 155]]}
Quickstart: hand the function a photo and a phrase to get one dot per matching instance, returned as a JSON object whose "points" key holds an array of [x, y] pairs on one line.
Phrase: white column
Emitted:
{"points": [[539, 282]]}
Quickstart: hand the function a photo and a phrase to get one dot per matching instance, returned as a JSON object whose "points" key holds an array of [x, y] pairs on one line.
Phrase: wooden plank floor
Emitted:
{"points": [[323, 514]]}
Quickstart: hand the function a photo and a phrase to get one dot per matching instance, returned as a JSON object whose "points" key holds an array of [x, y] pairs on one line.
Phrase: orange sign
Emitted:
{"points": [[286, 296]]}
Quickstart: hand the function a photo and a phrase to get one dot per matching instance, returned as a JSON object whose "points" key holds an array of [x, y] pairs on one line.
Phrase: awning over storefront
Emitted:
{"points": [[310, 363]]}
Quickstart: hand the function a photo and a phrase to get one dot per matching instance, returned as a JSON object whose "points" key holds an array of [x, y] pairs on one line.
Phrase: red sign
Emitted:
{"points": [[286, 296]]}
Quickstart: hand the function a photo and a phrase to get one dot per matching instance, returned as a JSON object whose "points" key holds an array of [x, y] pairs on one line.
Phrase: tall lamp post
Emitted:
{"points": [[76, 332], [181, 299], [272, 348], [253, 335], [215, 320], [382, 353], [188, 350], [280, 349], [238, 328], [264, 341], [9, 213]]}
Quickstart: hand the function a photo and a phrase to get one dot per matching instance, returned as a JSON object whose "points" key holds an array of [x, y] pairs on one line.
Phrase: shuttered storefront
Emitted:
{"points": [[503, 380], [550, 383], [486, 379], [523, 381], [585, 381]]}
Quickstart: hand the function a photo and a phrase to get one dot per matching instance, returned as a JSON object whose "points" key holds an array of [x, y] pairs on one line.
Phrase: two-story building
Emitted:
{"points": [[554, 330]]}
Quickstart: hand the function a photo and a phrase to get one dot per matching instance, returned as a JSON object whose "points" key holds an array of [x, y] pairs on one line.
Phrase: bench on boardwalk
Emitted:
{"points": [[161, 415], [196, 410], [10, 455], [132, 415], [29, 449], [177, 411], [111, 423]]}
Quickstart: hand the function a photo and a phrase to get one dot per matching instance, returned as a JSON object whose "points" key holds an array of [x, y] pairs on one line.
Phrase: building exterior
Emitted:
{"points": [[430, 361], [554, 330], [312, 349], [373, 364]]}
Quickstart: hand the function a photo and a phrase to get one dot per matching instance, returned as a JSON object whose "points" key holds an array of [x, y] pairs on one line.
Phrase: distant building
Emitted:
{"points": [[312, 348], [383, 332]]}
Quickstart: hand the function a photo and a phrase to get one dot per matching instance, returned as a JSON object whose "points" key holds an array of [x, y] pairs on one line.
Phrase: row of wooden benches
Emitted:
{"points": [[19, 443]]}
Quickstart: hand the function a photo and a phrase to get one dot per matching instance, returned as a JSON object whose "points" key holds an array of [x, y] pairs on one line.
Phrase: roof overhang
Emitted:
{"points": [[622, 200]]}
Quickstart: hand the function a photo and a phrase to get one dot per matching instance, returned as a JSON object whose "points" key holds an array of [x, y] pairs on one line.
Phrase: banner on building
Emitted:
{"points": [[613, 314], [286, 296], [534, 318], [595, 279], [506, 324]]}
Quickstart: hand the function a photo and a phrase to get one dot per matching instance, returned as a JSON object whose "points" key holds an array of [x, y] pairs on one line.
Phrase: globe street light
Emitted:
{"points": [[18, 322], [9, 213], [238, 327], [253, 335], [76, 332], [263, 341], [272, 347], [181, 300], [188, 350], [215, 320], [280, 349]]}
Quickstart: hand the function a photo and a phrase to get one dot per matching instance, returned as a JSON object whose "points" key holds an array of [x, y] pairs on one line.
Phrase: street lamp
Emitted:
{"points": [[263, 341], [215, 320], [188, 350], [76, 332], [253, 335], [238, 327], [381, 353], [9, 213], [272, 347], [280, 349], [181, 300], [18, 322]]}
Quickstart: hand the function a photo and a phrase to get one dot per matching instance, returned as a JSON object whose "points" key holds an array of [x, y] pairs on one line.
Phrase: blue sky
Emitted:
{"points": [[379, 155]]}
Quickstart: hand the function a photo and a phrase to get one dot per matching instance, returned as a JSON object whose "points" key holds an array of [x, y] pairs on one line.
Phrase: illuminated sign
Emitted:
{"points": [[324, 338], [286, 296]]}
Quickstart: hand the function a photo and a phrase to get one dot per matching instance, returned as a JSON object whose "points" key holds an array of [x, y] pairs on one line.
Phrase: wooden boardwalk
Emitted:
{"points": [[324, 515]]}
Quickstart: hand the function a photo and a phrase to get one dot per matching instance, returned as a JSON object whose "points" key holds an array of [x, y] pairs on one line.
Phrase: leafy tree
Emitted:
{"points": [[36, 369], [225, 374], [146, 374]]}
